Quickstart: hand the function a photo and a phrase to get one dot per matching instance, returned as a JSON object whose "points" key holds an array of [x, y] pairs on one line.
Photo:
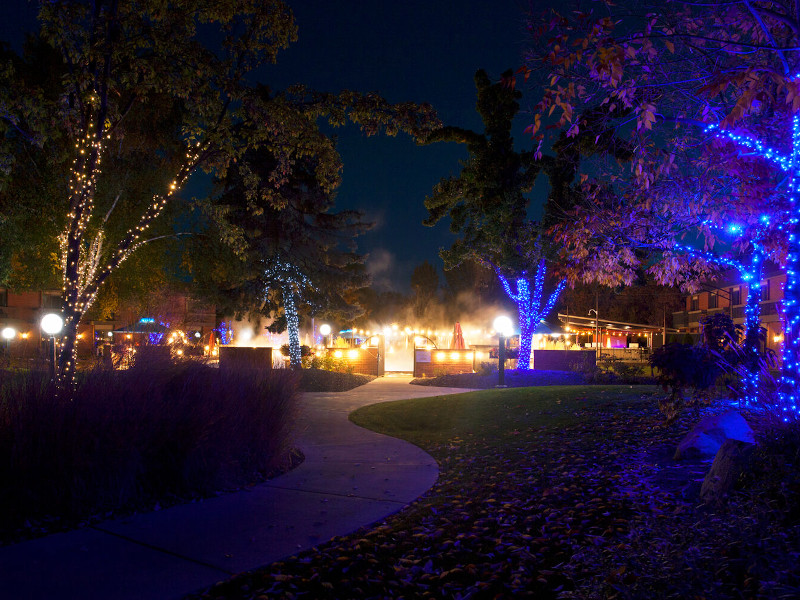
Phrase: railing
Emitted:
{"points": [[680, 319], [626, 354]]}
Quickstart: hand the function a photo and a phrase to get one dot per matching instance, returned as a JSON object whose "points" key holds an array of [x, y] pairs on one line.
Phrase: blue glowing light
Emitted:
{"points": [[789, 226], [529, 308], [225, 333]]}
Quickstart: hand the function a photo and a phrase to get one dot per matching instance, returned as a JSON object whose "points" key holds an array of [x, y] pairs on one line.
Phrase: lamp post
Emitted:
{"points": [[502, 325], [596, 332], [51, 324], [325, 330]]}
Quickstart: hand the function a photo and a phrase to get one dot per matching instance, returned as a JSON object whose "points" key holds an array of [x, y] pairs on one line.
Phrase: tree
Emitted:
{"points": [[195, 55], [425, 284], [487, 206], [687, 74], [272, 249], [488, 202]]}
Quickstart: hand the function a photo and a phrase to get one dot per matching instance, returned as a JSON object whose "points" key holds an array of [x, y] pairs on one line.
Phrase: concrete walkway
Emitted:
{"points": [[350, 478]]}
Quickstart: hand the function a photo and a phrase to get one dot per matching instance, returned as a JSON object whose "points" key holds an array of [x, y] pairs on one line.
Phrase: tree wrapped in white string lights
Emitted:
{"points": [[292, 284], [190, 59]]}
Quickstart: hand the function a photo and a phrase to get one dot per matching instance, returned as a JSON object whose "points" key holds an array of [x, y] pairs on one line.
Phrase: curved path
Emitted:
{"points": [[350, 478]]}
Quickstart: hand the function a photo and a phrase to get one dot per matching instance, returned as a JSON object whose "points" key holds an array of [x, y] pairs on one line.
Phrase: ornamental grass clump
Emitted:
{"points": [[135, 439]]}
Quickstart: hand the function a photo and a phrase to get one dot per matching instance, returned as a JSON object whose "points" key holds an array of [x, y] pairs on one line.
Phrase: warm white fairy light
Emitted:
{"points": [[80, 262]]}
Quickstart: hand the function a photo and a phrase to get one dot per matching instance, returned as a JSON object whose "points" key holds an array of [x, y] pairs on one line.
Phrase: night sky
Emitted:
{"points": [[413, 50]]}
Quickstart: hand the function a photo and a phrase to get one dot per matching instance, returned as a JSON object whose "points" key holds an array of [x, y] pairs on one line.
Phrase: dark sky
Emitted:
{"points": [[408, 50]]}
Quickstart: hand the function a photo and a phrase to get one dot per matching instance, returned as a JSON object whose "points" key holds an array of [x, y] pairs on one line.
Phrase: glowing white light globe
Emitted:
{"points": [[52, 323], [502, 325], [8, 333], [324, 329]]}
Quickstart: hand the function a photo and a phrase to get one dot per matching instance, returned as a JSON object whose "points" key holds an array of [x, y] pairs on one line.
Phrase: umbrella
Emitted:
{"points": [[458, 338]]}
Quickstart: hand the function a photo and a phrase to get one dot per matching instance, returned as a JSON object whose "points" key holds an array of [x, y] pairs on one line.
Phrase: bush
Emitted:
{"points": [[317, 380], [327, 363], [133, 438], [682, 366]]}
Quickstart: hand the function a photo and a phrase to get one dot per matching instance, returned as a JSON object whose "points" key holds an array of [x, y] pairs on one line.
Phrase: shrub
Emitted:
{"points": [[132, 438], [328, 363], [485, 369], [317, 380], [682, 366]]}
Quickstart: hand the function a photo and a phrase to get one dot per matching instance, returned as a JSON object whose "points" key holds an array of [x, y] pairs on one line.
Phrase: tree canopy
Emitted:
{"points": [[189, 62]]}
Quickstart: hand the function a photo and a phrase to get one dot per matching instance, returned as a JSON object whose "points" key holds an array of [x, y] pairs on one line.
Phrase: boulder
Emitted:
{"points": [[705, 439], [732, 459]]}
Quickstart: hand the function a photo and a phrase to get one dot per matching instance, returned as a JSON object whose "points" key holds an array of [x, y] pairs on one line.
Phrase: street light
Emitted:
{"points": [[325, 330], [52, 324], [502, 325], [596, 332], [8, 334]]}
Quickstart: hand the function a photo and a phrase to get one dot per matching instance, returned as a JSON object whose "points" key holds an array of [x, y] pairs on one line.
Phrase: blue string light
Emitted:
{"points": [[788, 224], [225, 333], [529, 308]]}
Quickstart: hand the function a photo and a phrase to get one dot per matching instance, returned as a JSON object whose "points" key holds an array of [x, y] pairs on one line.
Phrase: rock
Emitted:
{"points": [[732, 459], [705, 439]]}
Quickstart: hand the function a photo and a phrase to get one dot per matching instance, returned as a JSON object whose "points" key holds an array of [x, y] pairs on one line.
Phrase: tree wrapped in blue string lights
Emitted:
{"points": [[750, 239], [784, 236], [530, 309]]}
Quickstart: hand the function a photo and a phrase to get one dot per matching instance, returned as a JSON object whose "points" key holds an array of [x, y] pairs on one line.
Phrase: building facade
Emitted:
{"points": [[23, 311], [729, 295]]}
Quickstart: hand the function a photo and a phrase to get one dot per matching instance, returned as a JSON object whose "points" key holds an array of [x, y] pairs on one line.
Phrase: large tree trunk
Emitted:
{"points": [[791, 327], [525, 341], [293, 328], [752, 343], [67, 354]]}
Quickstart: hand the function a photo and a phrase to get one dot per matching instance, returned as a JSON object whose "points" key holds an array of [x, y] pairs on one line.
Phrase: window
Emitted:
{"points": [[695, 303], [4, 297], [736, 296], [712, 301], [51, 301], [765, 290]]}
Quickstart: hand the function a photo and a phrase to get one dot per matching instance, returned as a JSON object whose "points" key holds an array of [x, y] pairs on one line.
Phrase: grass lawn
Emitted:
{"points": [[550, 492]]}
